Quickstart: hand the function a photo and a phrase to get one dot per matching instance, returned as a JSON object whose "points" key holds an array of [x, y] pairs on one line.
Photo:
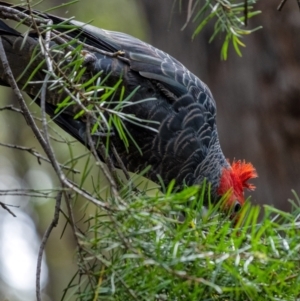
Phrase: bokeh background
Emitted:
{"points": [[258, 99]]}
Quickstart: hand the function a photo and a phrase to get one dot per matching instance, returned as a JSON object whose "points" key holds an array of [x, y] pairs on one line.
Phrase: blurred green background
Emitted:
{"points": [[258, 120]]}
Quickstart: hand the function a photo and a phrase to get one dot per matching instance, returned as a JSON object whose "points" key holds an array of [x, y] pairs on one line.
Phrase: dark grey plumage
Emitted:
{"points": [[185, 146]]}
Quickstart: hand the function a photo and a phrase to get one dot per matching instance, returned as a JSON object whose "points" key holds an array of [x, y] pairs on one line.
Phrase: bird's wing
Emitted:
{"points": [[145, 59], [188, 130], [181, 103], [151, 63]]}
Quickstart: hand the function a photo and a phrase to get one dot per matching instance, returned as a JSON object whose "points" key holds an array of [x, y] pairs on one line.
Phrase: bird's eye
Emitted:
{"points": [[237, 207]]}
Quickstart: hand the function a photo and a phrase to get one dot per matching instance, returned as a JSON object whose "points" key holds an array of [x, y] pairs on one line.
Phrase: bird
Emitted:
{"points": [[178, 137]]}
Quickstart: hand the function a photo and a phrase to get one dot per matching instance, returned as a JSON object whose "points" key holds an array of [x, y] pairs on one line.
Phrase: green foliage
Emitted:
{"points": [[230, 21], [139, 250], [167, 246]]}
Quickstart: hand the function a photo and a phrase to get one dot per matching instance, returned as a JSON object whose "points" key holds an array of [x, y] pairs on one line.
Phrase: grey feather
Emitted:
{"points": [[185, 146]]}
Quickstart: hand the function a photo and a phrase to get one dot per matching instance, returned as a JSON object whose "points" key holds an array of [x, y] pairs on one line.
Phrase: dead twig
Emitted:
{"points": [[30, 121], [281, 4], [36, 154], [29, 192], [246, 12], [75, 230], [17, 110], [120, 163], [190, 11], [11, 108], [5, 207], [52, 225], [110, 176]]}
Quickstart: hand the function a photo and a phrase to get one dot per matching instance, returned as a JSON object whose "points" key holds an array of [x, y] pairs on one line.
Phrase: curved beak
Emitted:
{"points": [[235, 209]]}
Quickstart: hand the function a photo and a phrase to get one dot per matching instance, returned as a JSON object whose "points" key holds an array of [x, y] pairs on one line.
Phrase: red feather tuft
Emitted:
{"points": [[244, 171], [235, 179]]}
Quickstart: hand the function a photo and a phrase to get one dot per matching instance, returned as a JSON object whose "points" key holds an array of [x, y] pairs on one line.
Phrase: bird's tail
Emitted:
{"points": [[27, 66], [19, 52]]}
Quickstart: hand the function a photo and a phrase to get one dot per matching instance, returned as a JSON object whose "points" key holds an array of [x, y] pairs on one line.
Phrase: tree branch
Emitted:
{"points": [[43, 243]]}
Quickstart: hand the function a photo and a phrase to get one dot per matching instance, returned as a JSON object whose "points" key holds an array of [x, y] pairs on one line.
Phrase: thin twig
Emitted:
{"points": [[110, 165], [280, 6], [36, 154], [16, 15], [108, 265], [190, 11], [117, 54], [282, 3], [5, 207], [123, 168], [120, 162], [31, 195], [45, 47], [52, 225], [11, 108], [63, 140], [30, 121], [74, 231], [111, 178], [246, 12], [29, 192]]}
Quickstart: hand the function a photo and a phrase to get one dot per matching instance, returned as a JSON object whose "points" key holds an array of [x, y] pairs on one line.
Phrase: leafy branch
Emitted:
{"points": [[138, 246], [230, 20], [143, 252]]}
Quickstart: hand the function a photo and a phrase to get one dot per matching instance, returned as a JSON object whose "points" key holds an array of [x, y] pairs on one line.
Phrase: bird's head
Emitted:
{"points": [[234, 179]]}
